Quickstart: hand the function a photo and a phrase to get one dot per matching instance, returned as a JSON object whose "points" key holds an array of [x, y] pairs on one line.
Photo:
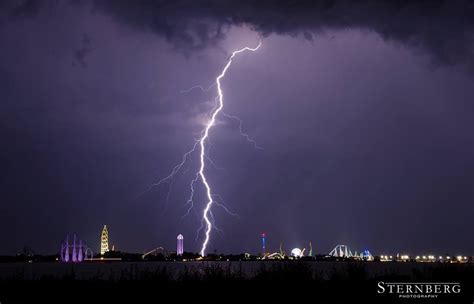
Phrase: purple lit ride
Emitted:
{"points": [[74, 252]]}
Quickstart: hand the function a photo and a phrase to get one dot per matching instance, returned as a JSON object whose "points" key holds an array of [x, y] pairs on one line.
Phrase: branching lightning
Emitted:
{"points": [[203, 89], [210, 201], [245, 135], [207, 221]]}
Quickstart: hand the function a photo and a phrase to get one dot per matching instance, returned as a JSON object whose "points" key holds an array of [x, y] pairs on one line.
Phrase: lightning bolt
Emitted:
{"points": [[242, 133], [198, 87], [210, 124], [207, 221]]}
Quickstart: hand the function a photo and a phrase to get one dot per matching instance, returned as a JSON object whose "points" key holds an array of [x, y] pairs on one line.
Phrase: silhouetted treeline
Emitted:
{"points": [[23, 258]]}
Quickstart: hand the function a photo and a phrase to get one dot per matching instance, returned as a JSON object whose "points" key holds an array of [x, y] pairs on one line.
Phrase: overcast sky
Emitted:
{"points": [[364, 113]]}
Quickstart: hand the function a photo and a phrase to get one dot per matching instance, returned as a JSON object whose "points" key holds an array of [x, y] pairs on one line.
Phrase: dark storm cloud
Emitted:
{"points": [[81, 53], [23, 8], [14, 9], [443, 28]]}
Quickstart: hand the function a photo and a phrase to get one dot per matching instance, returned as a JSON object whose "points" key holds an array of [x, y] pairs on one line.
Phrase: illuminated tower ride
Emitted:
{"points": [[180, 245], [104, 241], [263, 244]]}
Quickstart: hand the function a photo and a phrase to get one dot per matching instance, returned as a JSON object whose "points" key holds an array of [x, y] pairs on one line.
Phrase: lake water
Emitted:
{"points": [[113, 270]]}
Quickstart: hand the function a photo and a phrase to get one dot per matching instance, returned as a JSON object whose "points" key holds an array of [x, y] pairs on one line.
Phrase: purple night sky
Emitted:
{"points": [[364, 112]]}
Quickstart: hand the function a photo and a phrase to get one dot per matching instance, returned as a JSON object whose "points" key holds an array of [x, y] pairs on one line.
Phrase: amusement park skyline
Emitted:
{"points": [[73, 249], [332, 130]]}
